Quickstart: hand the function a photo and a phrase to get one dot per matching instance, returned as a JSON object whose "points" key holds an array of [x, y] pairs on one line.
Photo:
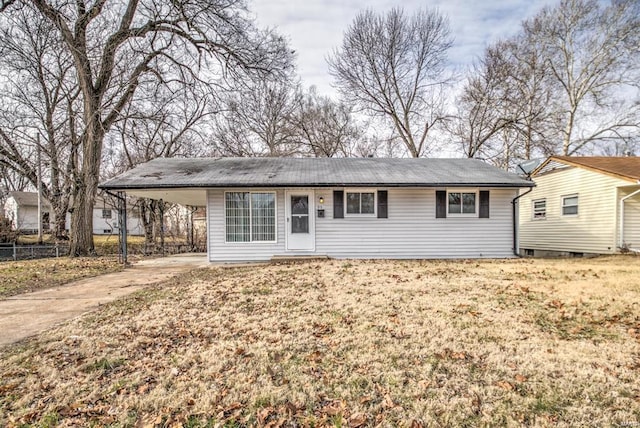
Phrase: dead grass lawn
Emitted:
{"points": [[346, 343], [31, 275]]}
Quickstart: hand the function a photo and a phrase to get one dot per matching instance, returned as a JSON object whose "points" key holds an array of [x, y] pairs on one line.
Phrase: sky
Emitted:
{"points": [[316, 27]]}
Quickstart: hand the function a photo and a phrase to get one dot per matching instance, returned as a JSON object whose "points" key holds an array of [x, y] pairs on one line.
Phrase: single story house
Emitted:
{"points": [[582, 205], [258, 208], [21, 208]]}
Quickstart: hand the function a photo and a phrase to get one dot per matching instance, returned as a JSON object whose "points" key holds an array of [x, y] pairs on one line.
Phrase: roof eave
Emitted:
{"points": [[326, 184]]}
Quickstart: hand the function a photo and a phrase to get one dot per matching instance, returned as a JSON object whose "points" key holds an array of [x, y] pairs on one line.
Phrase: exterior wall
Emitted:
{"points": [[23, 218], [104, 226], [11, 211], [593, 230], [411, 230], [107, 226], [631, 234]]}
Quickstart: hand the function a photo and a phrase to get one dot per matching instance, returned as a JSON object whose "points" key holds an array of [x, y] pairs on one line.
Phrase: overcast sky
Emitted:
{"points": [[315, 27]]}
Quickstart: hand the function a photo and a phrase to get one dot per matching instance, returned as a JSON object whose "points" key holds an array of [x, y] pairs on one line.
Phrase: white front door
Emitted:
{"points": [[301, 230]]}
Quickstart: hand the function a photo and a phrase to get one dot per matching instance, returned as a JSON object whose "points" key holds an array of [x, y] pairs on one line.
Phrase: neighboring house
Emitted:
{"points": [[582, 205], [258, 208], [22, 209], [106, 220]]}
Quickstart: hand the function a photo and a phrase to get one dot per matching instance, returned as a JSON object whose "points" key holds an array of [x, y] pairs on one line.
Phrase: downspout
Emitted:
{"points": [[514, 203], [622, 201]]}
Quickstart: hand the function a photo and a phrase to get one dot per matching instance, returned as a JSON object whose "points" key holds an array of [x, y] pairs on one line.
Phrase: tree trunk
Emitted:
{"points": [[147, 215], [82, 224], [87, 184], [59, 221], [566, 143]]}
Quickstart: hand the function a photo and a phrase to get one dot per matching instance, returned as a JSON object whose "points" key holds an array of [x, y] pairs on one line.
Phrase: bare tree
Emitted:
{"points": [[117, 46], [255, 120], [484, 105], [591, 51], [566, 83], [504, 111], [159, 122], [327, 128], [37, 127], [392, 66]]}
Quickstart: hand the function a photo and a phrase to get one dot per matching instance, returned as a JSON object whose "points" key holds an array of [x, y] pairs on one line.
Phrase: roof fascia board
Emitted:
{"points": [[314, 185]]}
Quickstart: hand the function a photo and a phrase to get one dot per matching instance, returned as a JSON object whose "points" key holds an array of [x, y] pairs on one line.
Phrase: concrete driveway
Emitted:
{"points": [[27, 314]]}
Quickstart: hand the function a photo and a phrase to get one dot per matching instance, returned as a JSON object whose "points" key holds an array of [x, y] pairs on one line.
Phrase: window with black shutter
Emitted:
{"points": [[484, 204], [382, 204], [441, 204], [338, 204]]}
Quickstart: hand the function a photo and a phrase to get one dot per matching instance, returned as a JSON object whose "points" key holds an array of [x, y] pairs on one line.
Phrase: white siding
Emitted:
{"points": [[26, 218], [107, 226], [631, 220], [411, 231], [11, 211], [593, 230], [104, 226]]}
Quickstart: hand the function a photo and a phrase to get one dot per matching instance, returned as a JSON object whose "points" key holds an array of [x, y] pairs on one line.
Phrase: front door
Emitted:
{"points": [[300, 221]]}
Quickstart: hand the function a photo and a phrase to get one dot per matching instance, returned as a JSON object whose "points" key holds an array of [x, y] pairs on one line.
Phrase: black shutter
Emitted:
{"points": [[338, 204], [484, 204], [441, 204], [382, 204]]}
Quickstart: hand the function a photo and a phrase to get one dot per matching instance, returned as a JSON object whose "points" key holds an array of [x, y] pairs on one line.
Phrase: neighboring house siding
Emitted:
{"points": [[593, 230], [11, 211], [27, 218], [631, 221], [24, 218], [102, 225], [410, 231], [106, 226]]}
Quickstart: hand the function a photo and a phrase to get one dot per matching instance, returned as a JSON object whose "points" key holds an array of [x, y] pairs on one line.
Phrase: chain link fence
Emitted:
{"points": [[27, 252]]}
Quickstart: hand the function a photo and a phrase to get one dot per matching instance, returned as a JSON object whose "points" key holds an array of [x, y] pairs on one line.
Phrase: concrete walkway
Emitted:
{"points": [[27, 314]]}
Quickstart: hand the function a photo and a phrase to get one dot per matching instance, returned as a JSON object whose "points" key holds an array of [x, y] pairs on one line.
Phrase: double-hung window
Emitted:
{"points": [[570, 205], [539, 209], [106, 213], [463, 203], [361, 202], [250, 216]]}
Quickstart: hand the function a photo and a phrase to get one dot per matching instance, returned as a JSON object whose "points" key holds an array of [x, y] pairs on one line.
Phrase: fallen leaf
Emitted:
{"points": [[504, 385], [263, 414], [357, 420]]}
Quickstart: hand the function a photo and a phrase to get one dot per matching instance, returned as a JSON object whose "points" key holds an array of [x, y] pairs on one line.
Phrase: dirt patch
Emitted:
{"points": [[357, 343]]}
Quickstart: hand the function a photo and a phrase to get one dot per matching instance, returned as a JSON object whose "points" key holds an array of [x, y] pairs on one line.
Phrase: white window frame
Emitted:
{"points": [[104, 211], [475, 214], [563, 205], [361, 190], [533, 209], [250, 241]]}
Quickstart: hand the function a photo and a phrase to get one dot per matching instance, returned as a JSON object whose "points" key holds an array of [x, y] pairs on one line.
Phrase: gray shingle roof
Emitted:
{"points": [[313, 172]]}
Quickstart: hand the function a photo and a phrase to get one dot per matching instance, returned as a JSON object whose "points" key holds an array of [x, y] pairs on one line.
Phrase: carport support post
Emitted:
{"points": [[162, 226], [122, 224]]}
